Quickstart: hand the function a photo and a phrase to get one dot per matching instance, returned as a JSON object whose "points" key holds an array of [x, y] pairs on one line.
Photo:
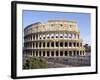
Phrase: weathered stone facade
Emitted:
{"points": [[56, 38]]}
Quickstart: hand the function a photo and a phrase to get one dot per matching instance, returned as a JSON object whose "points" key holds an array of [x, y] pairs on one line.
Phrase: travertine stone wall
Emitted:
{"points": [[55, 38]]}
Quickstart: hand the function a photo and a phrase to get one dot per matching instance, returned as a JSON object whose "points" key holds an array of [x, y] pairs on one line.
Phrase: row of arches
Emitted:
{"points": [[52, 44], [51, 36], [54, 53]]}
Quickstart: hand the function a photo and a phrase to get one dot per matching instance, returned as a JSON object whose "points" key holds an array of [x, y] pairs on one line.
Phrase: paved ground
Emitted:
{"points": [[56, 65], [68, 61]]}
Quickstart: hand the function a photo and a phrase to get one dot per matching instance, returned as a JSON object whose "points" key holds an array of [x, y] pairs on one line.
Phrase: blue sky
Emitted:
{"points": [[82, 19]]}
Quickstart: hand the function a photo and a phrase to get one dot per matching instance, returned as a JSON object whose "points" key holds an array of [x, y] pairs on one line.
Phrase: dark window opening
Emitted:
{"points": [[70, 53], [48, 44], [70, 44], [65, 53], [77, 44], [70, 26], [44, 44], [47, 53], [61, 44], [43, 53], [56, 36], [52, 37], [48, 37], [56, 53], [61, 36], [77, 53], [66, 44], [52, 44], [61, 53], [33, 53], [52, 53], [74, 53], [43, 37], [74, 44], [83, 52], [56, 44], [61, 24]]}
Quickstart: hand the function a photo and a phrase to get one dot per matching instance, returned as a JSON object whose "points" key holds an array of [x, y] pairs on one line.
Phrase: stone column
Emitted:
{"points": [[50, 44], [75, 53], [34, 53], [67, 53], [35, 36], [45, 53], [41, 53], [84, 53], [59, 53], [67, 44], [35, 45], [72, 53], [79, 52]]}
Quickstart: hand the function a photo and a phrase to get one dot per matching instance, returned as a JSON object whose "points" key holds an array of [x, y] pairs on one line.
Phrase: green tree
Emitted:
{"points": [[35, 63]]}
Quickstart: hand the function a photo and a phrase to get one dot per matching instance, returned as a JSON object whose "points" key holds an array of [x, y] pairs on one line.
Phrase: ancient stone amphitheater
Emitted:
{"points": [[55, 38]]}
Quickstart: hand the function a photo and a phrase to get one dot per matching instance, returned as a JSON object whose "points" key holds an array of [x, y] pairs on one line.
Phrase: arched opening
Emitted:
{"points": [[43, 53], [47, 53], [48, 44], [57, 44], [70, 53], [77, 53], [77, 44], [66, 44], [74, 53], [66, 54], [70, 44], [52, 44], [61, 44], [74, 44], [43, 44], [56, 53], [52, 53], [61, 53]]}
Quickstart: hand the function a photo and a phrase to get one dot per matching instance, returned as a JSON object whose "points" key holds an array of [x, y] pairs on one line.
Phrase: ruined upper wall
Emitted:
{"points": [[52, 25]]}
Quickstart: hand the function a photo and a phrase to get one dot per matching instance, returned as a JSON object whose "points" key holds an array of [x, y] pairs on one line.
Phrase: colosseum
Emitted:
{"points": [[55, 38]]}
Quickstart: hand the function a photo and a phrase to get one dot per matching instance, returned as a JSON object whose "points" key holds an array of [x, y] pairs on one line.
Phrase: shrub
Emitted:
{"points": [[35, 63]]}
